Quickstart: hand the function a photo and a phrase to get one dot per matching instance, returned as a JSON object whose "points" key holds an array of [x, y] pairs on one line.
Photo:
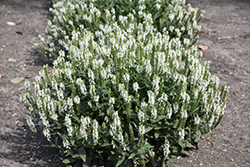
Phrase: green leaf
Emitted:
{"points": [[75, 156], [105, 145], [176, 123], [69, 160], [156, 135], [160, 118], [181, 143], [48, 146], [198, 137], [144, 148], [132, 155], [121, 159], [149, 128], [82, 153], [189, 145]]}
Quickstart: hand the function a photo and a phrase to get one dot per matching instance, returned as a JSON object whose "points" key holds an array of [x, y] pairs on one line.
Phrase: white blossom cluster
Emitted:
{"points": [[117, 75], [69, 16]]}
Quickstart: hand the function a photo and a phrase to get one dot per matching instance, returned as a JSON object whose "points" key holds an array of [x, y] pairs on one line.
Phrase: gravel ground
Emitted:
{"points": [[226, 32]]}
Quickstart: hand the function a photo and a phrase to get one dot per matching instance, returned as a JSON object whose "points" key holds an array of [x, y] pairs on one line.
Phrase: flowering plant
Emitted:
{"points": [[125, 96], [69, 16]]}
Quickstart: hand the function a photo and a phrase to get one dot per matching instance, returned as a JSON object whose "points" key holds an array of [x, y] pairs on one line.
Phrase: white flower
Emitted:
{"points": [[186, 41], [68, 125], [46, 133], [70, 102], [171, 17], [151, 153], [181, 134], [120, 137], [163, 98], [92, 90], [77, 99], [141, 116], [91, 75], [183, 114], [60, 94], [27, 84], [135, 86], [90, 104], [103, 73], [196, 120], [95, 132], [154, 113], [211, 121], [166, 150], [169, 112], [171, 28], [113, 79], [112, 100], [139, 69], [68, 72], [176, 107], [116, 119], [158, 6], [126, 77], [141, 130], [121, 87], [66, 144], [144, 106], [151, 98], [96, 98], [62, 86], [31, 124], [148, 67], [84, 125]]}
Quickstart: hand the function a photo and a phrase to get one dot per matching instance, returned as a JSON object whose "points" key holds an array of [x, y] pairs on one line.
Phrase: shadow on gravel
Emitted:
{"points": [[40, 59], [29, 149]]}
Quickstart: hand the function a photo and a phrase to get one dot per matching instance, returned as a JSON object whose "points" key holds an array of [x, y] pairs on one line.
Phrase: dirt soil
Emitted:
{"points": [[226, 32]]}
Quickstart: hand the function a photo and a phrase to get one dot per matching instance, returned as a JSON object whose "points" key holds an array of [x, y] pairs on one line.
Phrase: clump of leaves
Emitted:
{"points": [[125, 95]]}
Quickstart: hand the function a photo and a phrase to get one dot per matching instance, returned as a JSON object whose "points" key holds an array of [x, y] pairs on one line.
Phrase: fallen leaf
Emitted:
{"points": [[1, 75], [228, 37], [18, 33], [16, 80], [202, 47], [226, 70], [11, 60], [227, 141], [11, 23]]}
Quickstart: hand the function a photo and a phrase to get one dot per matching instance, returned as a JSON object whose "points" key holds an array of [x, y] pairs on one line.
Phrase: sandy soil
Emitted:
{"points": [[226, 32]]}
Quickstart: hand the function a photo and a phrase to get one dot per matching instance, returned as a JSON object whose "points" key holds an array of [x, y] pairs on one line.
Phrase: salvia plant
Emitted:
{"points": [[70, 16], [125, 95]]}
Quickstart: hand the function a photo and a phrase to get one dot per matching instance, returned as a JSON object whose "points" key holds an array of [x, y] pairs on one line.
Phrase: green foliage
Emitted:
{"points": [[123, 92]]}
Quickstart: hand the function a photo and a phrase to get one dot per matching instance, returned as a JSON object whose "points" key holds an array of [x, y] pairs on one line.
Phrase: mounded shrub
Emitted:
{"points": [[125, 95], [69, 16]]}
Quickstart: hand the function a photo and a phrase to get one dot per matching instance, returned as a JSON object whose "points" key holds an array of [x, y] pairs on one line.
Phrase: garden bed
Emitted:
{"points": [[225, 146]]}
